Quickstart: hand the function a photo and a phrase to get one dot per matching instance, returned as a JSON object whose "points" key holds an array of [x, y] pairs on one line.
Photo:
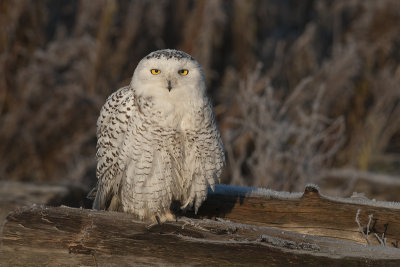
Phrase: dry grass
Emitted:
{"points": [[279, 143]]}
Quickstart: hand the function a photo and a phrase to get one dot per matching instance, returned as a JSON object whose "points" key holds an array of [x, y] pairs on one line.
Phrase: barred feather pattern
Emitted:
{"points": [[143, 166]]}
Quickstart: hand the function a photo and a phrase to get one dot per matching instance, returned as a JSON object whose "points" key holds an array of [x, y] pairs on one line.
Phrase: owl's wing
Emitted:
{"points": [[111, 128], [206, 154], [213, 149]]}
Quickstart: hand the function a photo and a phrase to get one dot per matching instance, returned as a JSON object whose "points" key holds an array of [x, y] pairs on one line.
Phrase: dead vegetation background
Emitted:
{"points": [[304, 91]]}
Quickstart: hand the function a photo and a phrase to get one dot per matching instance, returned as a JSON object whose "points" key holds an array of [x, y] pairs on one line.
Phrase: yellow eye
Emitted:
{"points": [[183, 72], [155, 71]]}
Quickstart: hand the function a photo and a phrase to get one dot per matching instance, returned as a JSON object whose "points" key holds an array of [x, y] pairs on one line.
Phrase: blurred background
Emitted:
{"points": [[304, 91]]}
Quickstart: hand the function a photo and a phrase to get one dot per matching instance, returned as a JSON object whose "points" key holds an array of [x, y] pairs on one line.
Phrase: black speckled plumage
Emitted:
{"points": [[169, 54], [158, 146]]}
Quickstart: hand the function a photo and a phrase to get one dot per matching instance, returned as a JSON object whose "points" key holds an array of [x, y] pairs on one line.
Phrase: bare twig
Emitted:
{"points": [[381, 240], [365, 232]]}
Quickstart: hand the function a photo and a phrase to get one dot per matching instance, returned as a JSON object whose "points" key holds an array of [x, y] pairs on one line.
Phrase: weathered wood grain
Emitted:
{"points": [[308, 213], [40, 235], [235, 226]]}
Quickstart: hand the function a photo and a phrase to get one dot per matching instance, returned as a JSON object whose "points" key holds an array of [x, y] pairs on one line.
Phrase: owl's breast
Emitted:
{"points": [[188, 122], [180, 115]]}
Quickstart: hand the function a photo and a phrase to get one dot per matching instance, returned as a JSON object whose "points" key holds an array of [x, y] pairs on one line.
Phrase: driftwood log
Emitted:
{"points": [[235, 226]]}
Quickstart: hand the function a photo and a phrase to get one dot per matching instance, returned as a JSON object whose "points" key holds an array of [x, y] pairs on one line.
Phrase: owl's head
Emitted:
{"points": [[169, 74]]}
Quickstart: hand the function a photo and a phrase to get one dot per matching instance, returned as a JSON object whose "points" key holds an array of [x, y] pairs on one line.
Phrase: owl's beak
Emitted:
{"points": [[169, 86]]}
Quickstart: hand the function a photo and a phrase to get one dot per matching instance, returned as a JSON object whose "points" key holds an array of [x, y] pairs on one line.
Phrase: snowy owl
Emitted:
{"points": [[158, 141]]}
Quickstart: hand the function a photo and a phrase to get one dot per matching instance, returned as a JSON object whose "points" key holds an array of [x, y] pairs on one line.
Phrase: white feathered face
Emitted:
{"points": [[170, 75]]}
